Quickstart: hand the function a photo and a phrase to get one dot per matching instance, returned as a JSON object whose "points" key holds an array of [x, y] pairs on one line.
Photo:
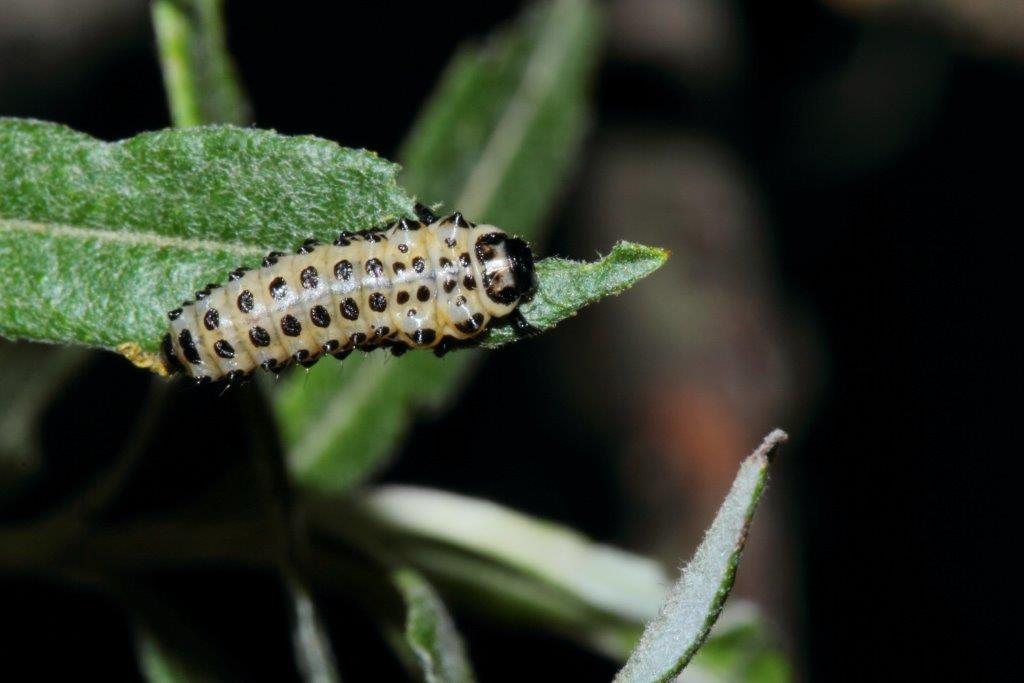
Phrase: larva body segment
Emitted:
{"points": [[414, 284]]}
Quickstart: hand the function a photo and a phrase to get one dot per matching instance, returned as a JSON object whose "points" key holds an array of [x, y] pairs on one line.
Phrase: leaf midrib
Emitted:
{"points": [[129, 237]]}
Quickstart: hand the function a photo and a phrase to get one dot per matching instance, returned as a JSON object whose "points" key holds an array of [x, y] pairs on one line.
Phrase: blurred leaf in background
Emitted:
{"points": [[497, 138]]}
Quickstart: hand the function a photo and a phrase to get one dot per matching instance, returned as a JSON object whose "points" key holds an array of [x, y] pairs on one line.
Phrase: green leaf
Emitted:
{"points": [[694, 603], [200, 79], [566, 286], [430, 631], [98, 240], [508, 566], [740, 650], [496, 138]]}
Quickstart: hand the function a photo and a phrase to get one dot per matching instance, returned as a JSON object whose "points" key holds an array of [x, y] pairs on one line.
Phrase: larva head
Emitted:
{"points": [[506, 269]]}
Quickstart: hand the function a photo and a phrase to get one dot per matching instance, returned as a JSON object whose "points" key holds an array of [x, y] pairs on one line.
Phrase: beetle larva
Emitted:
{"points": [[428, 283]]}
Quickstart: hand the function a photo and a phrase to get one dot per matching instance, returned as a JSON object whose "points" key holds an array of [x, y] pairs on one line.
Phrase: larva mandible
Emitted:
{"points": [[427, 283]]}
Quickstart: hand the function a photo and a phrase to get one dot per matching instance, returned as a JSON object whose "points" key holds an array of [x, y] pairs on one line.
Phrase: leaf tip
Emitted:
{"points": [[770, 445]]}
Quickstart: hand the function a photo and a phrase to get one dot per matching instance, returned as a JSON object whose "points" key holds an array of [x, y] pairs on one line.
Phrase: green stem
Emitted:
{"points": [[199, 77]]}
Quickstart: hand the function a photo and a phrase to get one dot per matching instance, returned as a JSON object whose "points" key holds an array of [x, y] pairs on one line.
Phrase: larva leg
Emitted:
{"points": [[521, 326]]}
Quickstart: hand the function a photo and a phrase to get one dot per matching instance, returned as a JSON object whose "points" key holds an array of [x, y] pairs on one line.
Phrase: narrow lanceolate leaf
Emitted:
{"points": [[98, 239], [564, 287], [694, 603], [199, 76], [495, 141], [430, 631], [740, 649], [510, 567]]}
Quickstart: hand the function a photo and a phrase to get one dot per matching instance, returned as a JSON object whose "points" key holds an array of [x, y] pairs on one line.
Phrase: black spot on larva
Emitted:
{"points": [[278, 288], [320, 316], [174, 315], [398, 267], [485, 245], [374, 237], [378, 302], [237, 274], [450, 241], [331, 345], [210, 286], [406, 224], [504, 296], [457, 219], [404, 248], [300, 355], [460, 300], [188, 347], [235, 377], [349, 309], [170, 358], [469, 282], [259, 336], [423, 293], [464, 259], [342, 355], [411, 313], [269, 365], [424, 337], [245, 301], [202, 294], [402, 297], [418, 264], [398, 349], [223, 349], [449, 285], [357, 339], [446, 264], [471, 325], [381, 332], [291, 326], [204, 379], [343, 269], [309, 277], [374, 267], [271, 258], [211, 320], [342, 240], [309, 245]]}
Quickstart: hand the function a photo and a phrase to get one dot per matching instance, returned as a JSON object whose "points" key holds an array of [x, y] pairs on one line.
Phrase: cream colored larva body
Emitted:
{"points": [[431, 284]]}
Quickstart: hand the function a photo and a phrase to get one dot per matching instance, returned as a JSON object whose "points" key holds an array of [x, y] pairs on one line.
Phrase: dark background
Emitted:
{"points": [[882, 152]]}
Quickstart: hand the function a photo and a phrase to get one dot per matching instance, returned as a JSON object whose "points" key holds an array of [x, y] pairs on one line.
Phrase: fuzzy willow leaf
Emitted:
{"points": [[740, 649], [566, 286], [98, 239], [694, 603], [508, 566], [495, 139], [430, 631], [199, 76]]}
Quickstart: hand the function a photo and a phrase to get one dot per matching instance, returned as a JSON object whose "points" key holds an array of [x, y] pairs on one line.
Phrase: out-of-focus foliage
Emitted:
{"points": [[496, 139]]}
